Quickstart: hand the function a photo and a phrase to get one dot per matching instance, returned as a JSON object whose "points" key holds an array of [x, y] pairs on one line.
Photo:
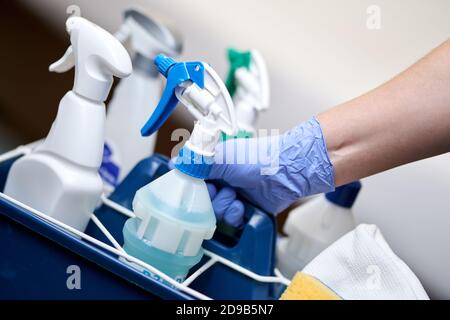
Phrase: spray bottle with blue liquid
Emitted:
{"points": [[174, 213]]}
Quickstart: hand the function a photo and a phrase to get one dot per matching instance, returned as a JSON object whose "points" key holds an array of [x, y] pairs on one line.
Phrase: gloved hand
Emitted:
{"points": [[226, 207], [271, 172]]}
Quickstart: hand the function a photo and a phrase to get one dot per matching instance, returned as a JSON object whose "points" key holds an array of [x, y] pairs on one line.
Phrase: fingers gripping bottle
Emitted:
{"points": [[174, 213], [124, 147], [248, 84], [60, 177]]}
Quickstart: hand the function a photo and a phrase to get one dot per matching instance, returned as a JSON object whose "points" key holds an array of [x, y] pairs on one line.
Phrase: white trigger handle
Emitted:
{"points": [[213, 101]]}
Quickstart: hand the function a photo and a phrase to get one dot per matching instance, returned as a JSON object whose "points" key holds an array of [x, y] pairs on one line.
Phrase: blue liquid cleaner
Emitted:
{"points": [[173, 216]]}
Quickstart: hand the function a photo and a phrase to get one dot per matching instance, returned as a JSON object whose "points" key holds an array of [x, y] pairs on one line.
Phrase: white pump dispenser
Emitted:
{"points": [[134, 97], [60, 177]]}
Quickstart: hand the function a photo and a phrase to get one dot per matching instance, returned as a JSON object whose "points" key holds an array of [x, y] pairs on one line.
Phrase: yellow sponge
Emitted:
{"points": [[306, 287]]}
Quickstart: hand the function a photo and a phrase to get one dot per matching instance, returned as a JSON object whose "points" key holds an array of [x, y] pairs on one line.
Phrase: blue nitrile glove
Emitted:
{"points": [[226, 207], [271, 172]]}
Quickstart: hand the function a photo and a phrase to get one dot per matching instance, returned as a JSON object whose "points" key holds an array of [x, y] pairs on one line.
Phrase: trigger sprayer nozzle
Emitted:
{"points": [[163, 63]]}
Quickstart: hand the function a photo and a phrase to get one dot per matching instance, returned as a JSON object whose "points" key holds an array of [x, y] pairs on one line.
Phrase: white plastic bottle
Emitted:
{"points": [[60, 177], [174, 213], [134, 96], [314, 226]]}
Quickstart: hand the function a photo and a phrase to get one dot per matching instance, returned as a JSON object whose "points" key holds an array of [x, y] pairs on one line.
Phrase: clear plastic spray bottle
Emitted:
{"points": [[174, 213]]}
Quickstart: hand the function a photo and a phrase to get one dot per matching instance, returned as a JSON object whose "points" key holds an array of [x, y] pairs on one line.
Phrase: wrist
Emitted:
{"points": [[304, 157], [344, 147]]}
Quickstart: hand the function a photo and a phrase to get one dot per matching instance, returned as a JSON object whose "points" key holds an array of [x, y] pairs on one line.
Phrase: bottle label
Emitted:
{"points": [[110, 169]]}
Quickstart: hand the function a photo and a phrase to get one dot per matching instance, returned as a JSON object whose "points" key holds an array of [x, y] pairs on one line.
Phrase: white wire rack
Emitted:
{"points": [[117, 250]]}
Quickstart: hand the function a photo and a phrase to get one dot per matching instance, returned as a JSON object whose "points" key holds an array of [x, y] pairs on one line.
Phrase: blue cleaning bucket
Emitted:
{"points": [[41, 260]]}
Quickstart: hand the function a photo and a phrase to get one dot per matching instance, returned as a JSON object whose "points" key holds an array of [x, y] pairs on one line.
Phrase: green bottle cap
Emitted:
{"points": [[237, 59]]}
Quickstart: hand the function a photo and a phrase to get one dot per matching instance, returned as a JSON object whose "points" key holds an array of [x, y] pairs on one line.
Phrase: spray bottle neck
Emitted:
{"points": [[197, 156], [77, 132], [193, 164], [204, 137]]}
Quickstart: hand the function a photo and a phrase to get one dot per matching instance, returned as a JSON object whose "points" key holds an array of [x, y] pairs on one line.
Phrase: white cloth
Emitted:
{"points": [[361, 266]]}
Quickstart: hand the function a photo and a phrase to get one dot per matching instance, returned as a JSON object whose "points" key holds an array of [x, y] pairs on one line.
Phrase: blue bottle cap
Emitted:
{"points": [[345, 196], [193, 164], [164, 63]]}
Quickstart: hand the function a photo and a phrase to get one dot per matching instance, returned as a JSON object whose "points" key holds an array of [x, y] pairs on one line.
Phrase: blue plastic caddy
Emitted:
{"points": [[38, 258]]}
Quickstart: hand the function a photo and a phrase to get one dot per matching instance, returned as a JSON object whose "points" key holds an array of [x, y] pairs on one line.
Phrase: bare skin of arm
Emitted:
{"points": [[404, 120]]}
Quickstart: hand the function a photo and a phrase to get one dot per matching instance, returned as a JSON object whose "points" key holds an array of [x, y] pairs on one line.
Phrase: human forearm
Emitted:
{"points": [[404, 120]]}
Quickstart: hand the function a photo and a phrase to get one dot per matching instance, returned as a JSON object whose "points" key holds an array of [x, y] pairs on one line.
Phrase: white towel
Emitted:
{"points": [[361, 265]]}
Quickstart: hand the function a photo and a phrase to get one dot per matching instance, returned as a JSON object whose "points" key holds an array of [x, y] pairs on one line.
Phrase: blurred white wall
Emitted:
{"points": [[321, 53]]}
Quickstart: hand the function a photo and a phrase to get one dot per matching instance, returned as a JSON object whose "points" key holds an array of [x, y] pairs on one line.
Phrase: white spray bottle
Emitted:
{"points": [[60, 177], [174, 213], [248, 84], [124, 146], [314, 226]]}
